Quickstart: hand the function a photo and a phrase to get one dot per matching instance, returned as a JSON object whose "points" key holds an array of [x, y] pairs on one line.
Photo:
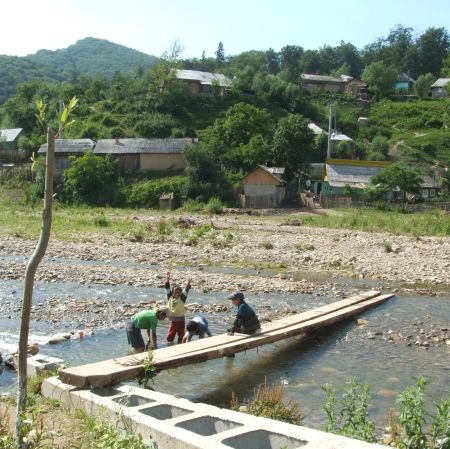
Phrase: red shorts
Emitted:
{"points": [[176, 328]]}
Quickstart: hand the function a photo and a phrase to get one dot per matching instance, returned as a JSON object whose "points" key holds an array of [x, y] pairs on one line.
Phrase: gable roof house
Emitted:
{"points": [[264, 187], [438, 88], [323, 83], [64, 148], [146, 154], [404, 83], [9, 138], [203, 81]]}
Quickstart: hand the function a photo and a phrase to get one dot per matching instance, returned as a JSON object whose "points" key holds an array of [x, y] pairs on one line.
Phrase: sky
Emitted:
{"points": [[152, 26]]}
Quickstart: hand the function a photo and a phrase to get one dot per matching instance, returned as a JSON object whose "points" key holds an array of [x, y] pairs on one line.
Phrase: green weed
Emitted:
{"points": [[352, 418], [268, 402]]}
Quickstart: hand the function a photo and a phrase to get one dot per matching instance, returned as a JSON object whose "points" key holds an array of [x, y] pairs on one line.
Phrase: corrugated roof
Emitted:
{"points": [[276, 172], [69, 146], [9, 135], [140, 145], [341, 137], [205, 78], [321, 78], [352, 175], [441, 82], [315, 128]]}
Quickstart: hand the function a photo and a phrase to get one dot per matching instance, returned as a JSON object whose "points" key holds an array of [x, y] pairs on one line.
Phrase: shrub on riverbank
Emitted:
{"points": [[49, 427]]}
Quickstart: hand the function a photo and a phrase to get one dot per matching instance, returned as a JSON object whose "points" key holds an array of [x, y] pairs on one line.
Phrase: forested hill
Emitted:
{"points": [[89, 56]]}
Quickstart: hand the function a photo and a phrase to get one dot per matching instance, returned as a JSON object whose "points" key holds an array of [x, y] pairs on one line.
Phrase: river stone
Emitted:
{"points": [[58, 338]]}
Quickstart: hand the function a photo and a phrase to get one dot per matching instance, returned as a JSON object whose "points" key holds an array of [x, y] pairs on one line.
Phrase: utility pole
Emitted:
{"points": [[330, 121]]}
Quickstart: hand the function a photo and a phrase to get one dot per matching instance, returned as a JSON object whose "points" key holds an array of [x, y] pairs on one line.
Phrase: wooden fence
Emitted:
{"points": [[334, 202], [259, 201], [20, 172]]}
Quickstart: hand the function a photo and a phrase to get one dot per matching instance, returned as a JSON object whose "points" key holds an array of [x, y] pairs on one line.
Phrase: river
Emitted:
{"points": [[376, 353]]}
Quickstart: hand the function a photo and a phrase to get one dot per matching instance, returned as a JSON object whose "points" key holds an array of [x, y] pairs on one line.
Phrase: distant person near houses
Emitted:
{"points": [[148, 320], [176, 300], [246, 321], [197, 326]]}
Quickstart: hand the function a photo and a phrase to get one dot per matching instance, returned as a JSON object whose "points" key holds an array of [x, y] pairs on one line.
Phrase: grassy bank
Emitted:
{"points": [[76, 223], [434, 223]]}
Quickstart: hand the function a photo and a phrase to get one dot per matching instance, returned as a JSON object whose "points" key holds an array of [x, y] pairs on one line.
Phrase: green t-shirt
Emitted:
{"points": [[145, 319]]}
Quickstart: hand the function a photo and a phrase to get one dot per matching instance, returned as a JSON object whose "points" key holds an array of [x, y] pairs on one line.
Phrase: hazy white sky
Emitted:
{"points": [[151, 26]]}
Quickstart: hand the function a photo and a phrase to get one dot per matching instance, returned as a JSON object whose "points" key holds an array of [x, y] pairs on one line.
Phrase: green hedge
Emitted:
{"points": [[146, 193]]}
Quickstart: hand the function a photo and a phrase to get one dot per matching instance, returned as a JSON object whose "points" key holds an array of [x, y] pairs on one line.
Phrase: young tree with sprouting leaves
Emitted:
{"points": [[63, 122]]}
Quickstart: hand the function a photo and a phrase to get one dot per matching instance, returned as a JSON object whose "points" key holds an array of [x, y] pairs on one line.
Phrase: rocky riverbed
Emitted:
{"points": [[222, 254]]}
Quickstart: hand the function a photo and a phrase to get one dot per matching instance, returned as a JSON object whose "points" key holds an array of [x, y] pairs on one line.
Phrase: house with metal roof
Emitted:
{"points": [[141, 154], [343, 173], [438, 88], [203, 81], [64, 148], [264, 187], [9, 138]]}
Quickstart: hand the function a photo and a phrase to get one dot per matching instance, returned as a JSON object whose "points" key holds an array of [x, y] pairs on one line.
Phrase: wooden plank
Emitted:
{"points": [[113, 371]]}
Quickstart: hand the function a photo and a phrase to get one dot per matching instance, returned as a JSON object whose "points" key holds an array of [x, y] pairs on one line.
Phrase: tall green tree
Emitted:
{"points": [[422, 87], [398, 175], [432, 49], [204, 176], [293, 144], [379, 78], [220, 53], [290, 56]]}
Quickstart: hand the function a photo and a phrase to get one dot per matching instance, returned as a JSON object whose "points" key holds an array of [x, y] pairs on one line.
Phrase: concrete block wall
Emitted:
{"points": [[175, 423], [41, 362]]}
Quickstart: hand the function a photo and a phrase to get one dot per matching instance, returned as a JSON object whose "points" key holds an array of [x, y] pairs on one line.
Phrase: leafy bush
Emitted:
{"points": [[93, 180], [146, 193], [214, 206], [268, 402], [155, 125], [193, 206]]}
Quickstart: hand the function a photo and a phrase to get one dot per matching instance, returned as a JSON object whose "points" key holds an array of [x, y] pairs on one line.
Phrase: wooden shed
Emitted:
{"points": [[166, 201], [264, 187]]}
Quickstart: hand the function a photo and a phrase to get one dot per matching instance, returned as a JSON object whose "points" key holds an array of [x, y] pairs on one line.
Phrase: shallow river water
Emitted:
{"points": [[302, 366]]}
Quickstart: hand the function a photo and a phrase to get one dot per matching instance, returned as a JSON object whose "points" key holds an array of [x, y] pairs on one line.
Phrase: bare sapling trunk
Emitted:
{"points": [[28, 289]]}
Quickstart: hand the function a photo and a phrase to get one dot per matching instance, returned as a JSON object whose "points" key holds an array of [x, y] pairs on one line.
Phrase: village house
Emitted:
{"points": [[264, 187], [9, 138], [323, 83], [203, 81], [64, 148], [335, 139], [404, 84], [438, 88], [340, 174], [141, 154]]}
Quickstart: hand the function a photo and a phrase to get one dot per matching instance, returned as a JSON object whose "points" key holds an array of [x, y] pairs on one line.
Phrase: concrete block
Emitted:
{"points": [[41, 362], [175, 423]]}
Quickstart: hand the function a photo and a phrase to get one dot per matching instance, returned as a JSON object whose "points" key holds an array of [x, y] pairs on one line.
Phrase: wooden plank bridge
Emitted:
{"points": [[109, 372]]}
